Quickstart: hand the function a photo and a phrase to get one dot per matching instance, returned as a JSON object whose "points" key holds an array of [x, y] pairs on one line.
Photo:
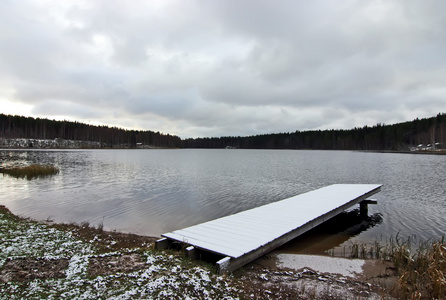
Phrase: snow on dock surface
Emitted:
{"points": [[247, 235]]}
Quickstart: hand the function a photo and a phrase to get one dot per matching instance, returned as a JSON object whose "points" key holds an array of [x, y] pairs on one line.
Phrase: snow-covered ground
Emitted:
{"points": [[159, 276], [47, 144], [62, 144], [41, 260]]}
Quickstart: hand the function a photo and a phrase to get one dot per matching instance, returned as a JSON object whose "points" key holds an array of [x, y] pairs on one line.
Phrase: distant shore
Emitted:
{"points": [[437, 152], [56, 144], [61, 144]]}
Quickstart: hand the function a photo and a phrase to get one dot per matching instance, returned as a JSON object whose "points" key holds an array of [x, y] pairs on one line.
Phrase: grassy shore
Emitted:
{"points": [[42, 260]]}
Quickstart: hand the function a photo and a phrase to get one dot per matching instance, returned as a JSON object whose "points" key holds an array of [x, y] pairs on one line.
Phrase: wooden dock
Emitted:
{"points": [[241, 238]]}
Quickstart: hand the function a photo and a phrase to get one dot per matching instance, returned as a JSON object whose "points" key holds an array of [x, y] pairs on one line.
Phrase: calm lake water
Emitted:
{"points": [[155, 191]]}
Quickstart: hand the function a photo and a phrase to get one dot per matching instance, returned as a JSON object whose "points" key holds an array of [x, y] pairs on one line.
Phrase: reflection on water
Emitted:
{"points": [[155, 191], [333, 233]]}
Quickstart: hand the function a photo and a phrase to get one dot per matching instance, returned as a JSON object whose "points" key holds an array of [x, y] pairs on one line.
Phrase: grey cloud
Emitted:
{"points": [[225, 67], [61, 108]]}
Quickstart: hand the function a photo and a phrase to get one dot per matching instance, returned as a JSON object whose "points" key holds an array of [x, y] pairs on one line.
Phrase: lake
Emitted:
{"points": [[150, 192]]}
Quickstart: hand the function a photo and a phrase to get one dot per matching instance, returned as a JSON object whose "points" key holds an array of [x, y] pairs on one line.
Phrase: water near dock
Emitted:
{"points": [[156, 191]]}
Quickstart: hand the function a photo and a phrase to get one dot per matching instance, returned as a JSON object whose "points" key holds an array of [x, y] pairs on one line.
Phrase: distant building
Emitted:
{"points": [[428, 147]]}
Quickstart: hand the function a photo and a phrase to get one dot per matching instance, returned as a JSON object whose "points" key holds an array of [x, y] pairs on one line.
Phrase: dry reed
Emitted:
{"points": [[30, 172], [421, 273]]}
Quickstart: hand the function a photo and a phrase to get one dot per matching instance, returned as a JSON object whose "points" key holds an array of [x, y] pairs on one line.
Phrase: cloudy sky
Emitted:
{"points": [[223, 68]]}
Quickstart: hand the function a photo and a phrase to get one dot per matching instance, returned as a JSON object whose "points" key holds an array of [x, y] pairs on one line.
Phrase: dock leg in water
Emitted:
{"points": [[364, 207]]}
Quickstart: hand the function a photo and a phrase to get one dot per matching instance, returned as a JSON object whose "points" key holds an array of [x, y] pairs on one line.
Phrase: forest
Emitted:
{"points": [[18, 127], [397, 137]]}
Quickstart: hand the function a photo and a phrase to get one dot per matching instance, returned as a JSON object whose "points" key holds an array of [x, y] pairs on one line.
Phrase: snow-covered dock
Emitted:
{"points": [[240, 238]]}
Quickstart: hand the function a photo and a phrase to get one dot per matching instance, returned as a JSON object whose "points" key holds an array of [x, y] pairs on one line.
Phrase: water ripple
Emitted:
{"points": [[153, 191]]}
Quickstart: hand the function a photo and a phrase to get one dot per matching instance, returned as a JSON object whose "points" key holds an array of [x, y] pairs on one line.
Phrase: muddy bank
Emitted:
{"points": [[319, 277]]}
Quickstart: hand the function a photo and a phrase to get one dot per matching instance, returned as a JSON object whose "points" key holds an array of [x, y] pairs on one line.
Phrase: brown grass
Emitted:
{"points": [[30, 172], [423, 275], [27, 269], [106, 241], [110, 265]]}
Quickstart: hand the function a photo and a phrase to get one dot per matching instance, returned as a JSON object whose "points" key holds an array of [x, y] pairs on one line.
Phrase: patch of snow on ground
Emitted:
{"points": [[163, 275]]}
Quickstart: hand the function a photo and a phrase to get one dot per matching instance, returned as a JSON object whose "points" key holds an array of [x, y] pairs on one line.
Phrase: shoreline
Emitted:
{"points": [[424, 152], [63, 144], [108, 254]]}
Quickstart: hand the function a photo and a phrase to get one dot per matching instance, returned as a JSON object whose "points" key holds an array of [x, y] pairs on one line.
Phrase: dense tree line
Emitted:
{"points": [[14, 127], [396, 137]]}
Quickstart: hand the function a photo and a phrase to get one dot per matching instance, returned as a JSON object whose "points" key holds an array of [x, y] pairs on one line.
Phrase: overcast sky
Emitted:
{"points": [[223, 68]]}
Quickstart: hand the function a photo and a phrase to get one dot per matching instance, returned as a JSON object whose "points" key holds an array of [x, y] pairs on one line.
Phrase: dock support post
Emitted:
{"points": [[364, 207], [191, 252], [162, 244], [223, 265]]}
